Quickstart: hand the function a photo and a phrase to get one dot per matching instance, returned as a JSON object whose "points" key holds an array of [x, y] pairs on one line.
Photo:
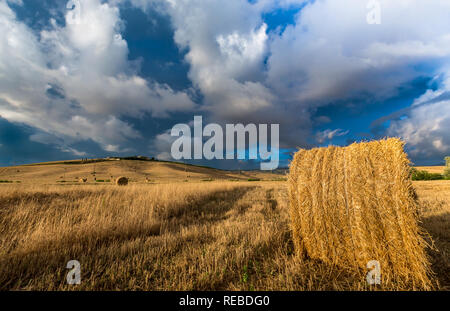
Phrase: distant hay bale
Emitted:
{"points": [[350, 205], [83, 180], [122, 181]]}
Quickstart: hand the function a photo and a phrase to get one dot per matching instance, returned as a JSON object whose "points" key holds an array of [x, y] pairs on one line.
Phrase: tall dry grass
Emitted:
{"points": [[434, 198], [183, 236], [355, 204], [46, 226]]}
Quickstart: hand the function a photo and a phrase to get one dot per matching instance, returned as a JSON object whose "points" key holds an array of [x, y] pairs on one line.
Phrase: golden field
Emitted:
{"points": [[107, 170], [431, 169], [225, 234]]}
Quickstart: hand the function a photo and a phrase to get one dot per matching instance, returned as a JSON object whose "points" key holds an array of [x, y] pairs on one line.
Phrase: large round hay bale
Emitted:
{"points": [[122, 181], [83, 180], [350, 205]]}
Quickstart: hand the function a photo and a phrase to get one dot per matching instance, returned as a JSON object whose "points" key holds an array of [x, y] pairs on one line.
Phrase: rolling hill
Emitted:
{"points": [[107, 170]]}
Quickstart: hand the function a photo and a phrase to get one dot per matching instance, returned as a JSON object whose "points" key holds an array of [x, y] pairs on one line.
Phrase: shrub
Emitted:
{"points": [[447, 173], [424, 175], [447, 168]]}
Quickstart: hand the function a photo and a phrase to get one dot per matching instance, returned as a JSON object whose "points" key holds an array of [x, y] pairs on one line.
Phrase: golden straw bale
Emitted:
{"points": [[122, 181], [350, 205]]}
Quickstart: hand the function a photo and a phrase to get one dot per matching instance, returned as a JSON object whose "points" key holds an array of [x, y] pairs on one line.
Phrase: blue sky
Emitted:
{"points": [[118, 81]]}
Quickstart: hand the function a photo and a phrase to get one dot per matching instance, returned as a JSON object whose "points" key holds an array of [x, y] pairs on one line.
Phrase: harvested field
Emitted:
{"points": [[180, 236]]}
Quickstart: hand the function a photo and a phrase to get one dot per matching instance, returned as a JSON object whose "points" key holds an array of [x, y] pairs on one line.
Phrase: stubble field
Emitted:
{"points": [[218, 235]]}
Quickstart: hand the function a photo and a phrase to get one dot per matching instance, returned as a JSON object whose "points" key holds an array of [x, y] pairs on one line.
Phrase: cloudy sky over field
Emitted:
{"points": [[118, 80]]}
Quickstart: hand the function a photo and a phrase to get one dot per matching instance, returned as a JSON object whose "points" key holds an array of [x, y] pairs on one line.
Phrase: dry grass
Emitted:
{"points": [[435, 215], [138, 237], [180, 236], [431, 169], [355, 204]]}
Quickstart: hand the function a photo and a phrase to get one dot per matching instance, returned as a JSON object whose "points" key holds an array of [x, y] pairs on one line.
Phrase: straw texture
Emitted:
{"points": [[350, 205]]}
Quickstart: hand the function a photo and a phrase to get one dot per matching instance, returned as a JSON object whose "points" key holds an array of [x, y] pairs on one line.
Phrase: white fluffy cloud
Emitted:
{"points": [[426, 125], [329, 134], [244, 72], [330, 55], [426, 130], [75, 82], [226, 44], [162, 146]]}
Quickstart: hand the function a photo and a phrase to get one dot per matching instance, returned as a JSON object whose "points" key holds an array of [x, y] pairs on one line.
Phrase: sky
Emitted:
{"points": [[115, 81]]}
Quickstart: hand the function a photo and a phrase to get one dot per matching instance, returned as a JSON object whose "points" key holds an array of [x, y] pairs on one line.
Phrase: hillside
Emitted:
{"points": [[108, 170], [139, 171]]}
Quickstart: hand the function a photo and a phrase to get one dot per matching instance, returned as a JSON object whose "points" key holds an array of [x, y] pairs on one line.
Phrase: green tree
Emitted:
{"points": [[447, 168]]}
